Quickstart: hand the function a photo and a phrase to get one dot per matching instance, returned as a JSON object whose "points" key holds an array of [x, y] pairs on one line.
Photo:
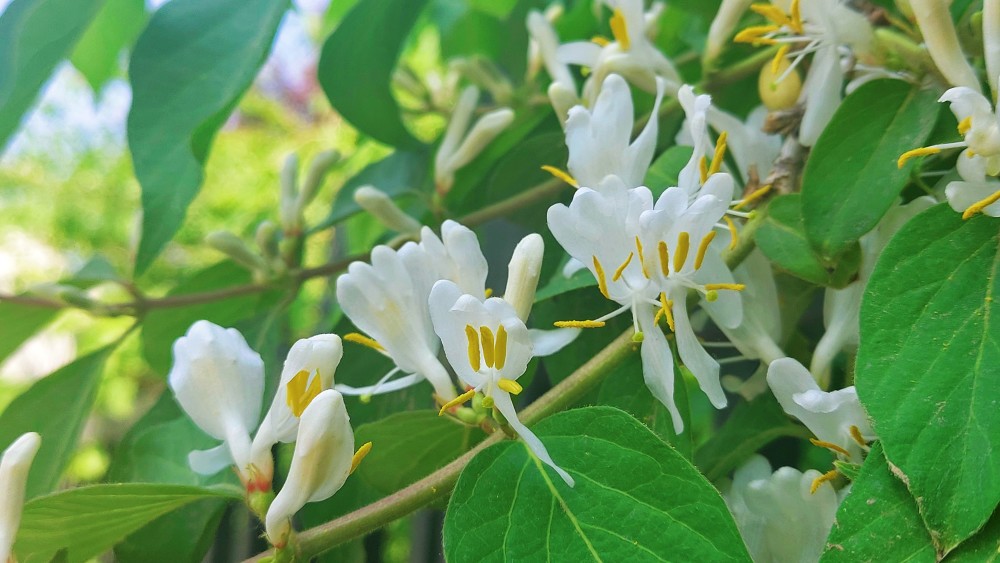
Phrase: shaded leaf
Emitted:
{"points": [[21, 322], [115, 28]]}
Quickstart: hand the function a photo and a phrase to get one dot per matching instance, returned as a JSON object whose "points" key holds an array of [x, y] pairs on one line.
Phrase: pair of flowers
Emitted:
{"points": [[219, 382]]}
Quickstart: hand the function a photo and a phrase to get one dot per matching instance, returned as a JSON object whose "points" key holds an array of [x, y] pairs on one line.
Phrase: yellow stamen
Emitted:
{"points": [[600, 40], [473, 338], [830, 446], [489, 347], [562, 175], [667, 305], [734, 236], [621, 269], [510, 386], [457, 401], [488, 292], [856, 434], [720, 153], [779, 56], [703, 169], [755, 35], [717, 286], [642, 261], [619, 29], [754, 196], [664, 258], [501, 347], [772, 13], [923, 151], [360, 455], [980, 205], [964, 125], [300, 391], [796, 17], [579, 324], [683, 242], [828, 476], [363, 340], [702, 249], [602, 283]]}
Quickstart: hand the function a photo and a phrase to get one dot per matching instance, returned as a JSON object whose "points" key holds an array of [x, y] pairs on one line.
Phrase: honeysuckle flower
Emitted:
{"points": [[842, 307], [753, 150], [991, 42], [562, 91], [934, 20], [15, 462], [836, 417], [823, 27], [309, 369], [757, 336], [722, 27], [324, 457], [218, 380], [380, 206], [460, 143], [489, 347], [781, 518], [599, 139], [522, 274], [976, 190]]}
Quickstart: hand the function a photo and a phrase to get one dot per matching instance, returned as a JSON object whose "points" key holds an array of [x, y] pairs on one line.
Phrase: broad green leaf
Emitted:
{"points": [[666, 169], [490, 30], [115, 28], [984, 546], [56, 407], [20, 322], [927, 367], [163, 326], [635, 499], [408, 446], [399, 174], [878, 521], [356, 65], [521, 169], [782, 238], [750, 427], [499, 9], [189, 68], [90, 520], [34, 36], [851, 178]]}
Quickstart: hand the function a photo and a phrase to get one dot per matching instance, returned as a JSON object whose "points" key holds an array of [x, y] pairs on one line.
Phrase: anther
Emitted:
{"points": [[965, 125], [923, 151], [562, 175], [489, 347], [661, 248], [360, 455], [981, 204], [703, 169], [729, 286], [473, 338], [300, 391], [828, 476], [856, 434], [719, 156], [457, 401], [702, 249], [642, 261], [579, 324], [601, 41], [755, 35], [510, 386], [734, 236], [602, 283], [754, 196], [680, 256], [829, 446], [363, 340], [666, 305], [500, 351], [621, 269], [778, 57], [619, 29]]}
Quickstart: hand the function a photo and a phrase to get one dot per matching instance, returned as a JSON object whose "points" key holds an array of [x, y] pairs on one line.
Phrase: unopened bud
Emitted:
{"points": [[941, 38], [288, 198], [318, 169], [484, 73], [237, 250], [381, 207], [563, 97], [267, 239], [482, 133], [522, 274], [779, 94]]}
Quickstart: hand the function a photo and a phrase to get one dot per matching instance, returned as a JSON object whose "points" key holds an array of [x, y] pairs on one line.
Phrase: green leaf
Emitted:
{"points": [[56, 407], [750, 427], [635, 499], [20, 322], [115, 28], [408, 446], [356, 65], [499, 9], [163, 326], [666, 169], [90, 520], [781, 236], [851, 178], [926, 369], [34, 36], [189, 68], [984, 546], [878, 521], [560, 284]]}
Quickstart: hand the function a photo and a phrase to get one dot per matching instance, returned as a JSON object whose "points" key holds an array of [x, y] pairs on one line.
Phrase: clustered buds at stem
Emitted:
{"points": [[385, 211], [14, 466], [461, 144], [237, 250]]}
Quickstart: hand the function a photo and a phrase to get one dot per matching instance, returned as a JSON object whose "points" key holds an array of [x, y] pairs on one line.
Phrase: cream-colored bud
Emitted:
{"points": [[941, 38], [482, 133], [991, 41], [382, 208], [522, 274], [287, 201], [237, 250], [318, 169], [723, 25], [562, 97]]}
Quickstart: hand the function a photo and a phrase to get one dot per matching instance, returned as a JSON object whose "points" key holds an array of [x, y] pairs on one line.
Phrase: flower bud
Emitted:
{"points": [[721, 30], [380, 205], [522, 274], [991, 41], [288, 197], [941, 38], [237, 250], [318, 169], [482, 133], [14, 465]]}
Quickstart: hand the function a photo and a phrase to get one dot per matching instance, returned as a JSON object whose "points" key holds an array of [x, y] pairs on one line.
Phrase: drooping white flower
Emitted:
{"points": [[324, 456], [976, 190], [599, 139], [14, 466], [836, 417], [489, 347], [219, 382], [309, 369], [460, 143], [759, 333], [781, 519]]}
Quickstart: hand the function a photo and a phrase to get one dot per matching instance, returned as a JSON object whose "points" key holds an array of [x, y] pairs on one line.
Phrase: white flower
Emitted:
{"points": [[753, 150], [460, 143], [308, 370], [781, 519], [722, 27], [489, 347], [836, 417], [599, 140], [387, 299], [562, 91], [757, 336], [324, 457], [14, 466], [219, 382], [939, 33], [975, 190]]}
